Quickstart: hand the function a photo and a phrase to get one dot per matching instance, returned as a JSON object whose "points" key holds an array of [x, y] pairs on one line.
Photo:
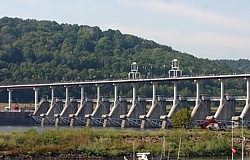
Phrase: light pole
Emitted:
{"points": [[232, 148], [164, 70], [243, 139]]}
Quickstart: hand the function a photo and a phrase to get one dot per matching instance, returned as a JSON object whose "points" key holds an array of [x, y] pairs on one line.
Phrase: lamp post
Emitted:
{"points": [[164, 70], [232, 148], [214, 70], [191, 72], [243, 139]]}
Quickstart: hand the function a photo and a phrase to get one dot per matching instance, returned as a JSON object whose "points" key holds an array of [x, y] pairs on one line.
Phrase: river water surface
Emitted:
{"points": [[25, 128]]}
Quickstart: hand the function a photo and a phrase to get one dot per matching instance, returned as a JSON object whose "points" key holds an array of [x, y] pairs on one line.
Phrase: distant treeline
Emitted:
{"points": [[33, 51]]}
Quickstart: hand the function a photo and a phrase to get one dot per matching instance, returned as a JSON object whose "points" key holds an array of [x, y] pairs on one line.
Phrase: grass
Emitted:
{"points": [[112, 142]]}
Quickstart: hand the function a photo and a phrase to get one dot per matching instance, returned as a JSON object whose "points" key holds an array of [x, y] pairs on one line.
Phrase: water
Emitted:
{"points": [[25, 128], [216, 158], [51, 127]]}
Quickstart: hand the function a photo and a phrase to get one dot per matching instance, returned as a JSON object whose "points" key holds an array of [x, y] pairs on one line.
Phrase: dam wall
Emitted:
{"points": [[16, 118]]}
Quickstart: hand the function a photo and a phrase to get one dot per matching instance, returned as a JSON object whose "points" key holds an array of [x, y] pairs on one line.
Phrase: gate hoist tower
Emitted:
{"points": [[175, 72]]}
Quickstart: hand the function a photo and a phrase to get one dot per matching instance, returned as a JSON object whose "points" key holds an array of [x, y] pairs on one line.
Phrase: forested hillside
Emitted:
{"points": [[38, 51]]}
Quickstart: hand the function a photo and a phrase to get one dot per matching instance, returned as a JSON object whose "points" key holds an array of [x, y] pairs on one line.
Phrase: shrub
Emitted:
{"points": [[3, 144]]}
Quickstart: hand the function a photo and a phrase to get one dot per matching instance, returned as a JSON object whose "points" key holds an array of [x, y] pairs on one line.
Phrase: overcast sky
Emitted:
{"points": [[214, 29]]}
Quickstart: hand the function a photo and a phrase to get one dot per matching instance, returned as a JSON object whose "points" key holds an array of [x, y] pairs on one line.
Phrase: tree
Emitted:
{"points": [[182, 118], [45, 50]]}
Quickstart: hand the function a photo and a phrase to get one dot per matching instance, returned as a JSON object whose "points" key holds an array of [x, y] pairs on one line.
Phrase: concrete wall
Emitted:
{"points": [[113, 119], [121, 108], [180, 104], [48, 118], [160, 109], [203, 110], [153, 120], [79, 117], [228, 110], [42, 108], [140, 109], [16, 118], [134, 119], [95, 119], [63, 118]]}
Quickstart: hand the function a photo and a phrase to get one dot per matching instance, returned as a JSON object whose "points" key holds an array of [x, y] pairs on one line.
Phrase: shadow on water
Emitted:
{"points": [[52, 127], [38, 128], [215, 158]]}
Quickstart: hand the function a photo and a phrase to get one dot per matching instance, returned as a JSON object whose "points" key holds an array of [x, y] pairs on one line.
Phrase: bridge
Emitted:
{"points": [[149, 80], [152, 112]]}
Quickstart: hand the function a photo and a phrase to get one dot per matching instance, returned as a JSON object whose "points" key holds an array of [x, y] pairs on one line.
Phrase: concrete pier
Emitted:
{"points": [[42, 108], [158, 108], [152, 119], [96, 119], [86, 108], [48, 118], [228, 110], [119, 108], [245, 115], [222, 99], [202, 108], [178, 102], [132, 118], [113, 118], [244, 118], [137, 108], [63, 118], [10, 98], [197, 102], [36, 89]]}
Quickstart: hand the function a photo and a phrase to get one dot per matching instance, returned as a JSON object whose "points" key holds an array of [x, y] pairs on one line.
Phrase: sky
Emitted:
{"points": [[213, 29]]}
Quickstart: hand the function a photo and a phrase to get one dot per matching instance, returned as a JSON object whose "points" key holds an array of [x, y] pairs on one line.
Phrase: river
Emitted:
{"points": [[216, 158], [25, 128]]}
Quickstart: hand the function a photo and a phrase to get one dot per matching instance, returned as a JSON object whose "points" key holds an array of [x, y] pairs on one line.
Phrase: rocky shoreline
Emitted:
{"points": [[81, 156]]}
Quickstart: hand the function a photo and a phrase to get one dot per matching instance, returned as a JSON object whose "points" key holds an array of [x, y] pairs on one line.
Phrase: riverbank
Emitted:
{"points": [[101, 143]]}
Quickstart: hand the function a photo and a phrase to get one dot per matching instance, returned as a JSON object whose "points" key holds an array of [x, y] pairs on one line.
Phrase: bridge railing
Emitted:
{"points": [[26, 82]]}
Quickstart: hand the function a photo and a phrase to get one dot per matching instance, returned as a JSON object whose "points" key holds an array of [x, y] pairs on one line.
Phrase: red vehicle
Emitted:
{"points": [[207, 122]]}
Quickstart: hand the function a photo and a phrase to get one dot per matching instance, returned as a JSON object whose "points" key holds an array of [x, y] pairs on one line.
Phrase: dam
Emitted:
{"points": [[133, 112]]}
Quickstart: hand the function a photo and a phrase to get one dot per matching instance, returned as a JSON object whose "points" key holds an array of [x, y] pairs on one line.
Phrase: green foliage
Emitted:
{"points": [[182, 118], [217, 145], [20, 140], [108, 142], [3, 144], [44, 51], [50, 137]]}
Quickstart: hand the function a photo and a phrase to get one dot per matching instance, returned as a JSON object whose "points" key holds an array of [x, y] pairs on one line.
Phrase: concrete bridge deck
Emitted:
{"points": [[134, 112]]}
